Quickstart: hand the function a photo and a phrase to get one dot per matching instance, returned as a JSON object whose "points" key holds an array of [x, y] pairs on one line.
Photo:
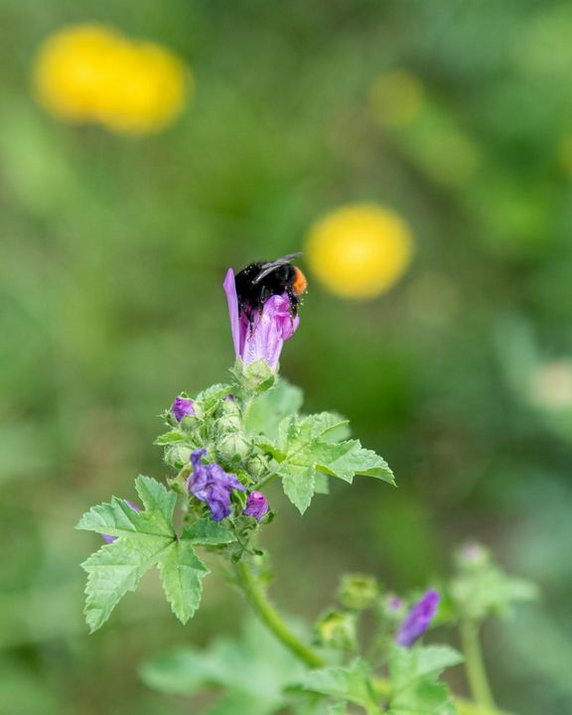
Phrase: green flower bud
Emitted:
{"points": [[177, 455], [357, 591], [337, 629], [233, 447], [228, 423]]}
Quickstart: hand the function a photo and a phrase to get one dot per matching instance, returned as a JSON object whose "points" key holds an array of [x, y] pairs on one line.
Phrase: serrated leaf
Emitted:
{"points": [[157, 500], [350, 684], [305, 449], [115, 518], [298, 482], [182, 573], [117, 568], [345, 459], [413, 675], [208, 400], [170, 438], [206, 532]]}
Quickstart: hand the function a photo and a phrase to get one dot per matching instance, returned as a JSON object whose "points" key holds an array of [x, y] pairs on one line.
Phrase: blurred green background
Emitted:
{"points": [[113, 249]]}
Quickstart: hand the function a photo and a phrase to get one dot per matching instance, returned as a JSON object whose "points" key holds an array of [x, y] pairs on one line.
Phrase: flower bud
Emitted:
{"points": [[357, 591], [177, 456], [233, 447], [337, 629], [418, 619], [182, 407], [256, 505]]}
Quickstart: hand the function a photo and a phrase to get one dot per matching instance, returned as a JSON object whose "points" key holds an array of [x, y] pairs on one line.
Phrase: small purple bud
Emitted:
{"points": [[394, 604], [110, 539], [211, 484], [182, 407], [418, 619], [256, 505]]}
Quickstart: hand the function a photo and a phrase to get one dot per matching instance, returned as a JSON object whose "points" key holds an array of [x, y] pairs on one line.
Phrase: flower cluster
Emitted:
{"points": [[211, 484], [92, 73]]}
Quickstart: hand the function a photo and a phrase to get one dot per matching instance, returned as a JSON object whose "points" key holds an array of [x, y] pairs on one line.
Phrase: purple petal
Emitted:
{"points": [[229, 286], [270, 329], [182, 407], [256, 505], [211, 484], [418, 619]]}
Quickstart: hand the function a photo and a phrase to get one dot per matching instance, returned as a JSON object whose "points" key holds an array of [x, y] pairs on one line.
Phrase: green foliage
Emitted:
{"points": [[350, 684], [145, 539], [253, 672], [413, 680], [481, 588], [303, 449]]}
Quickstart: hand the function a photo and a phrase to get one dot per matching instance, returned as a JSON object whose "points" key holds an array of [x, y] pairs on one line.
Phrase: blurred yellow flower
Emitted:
{"points": [[360, 250], [91, 73], [396, 97]]}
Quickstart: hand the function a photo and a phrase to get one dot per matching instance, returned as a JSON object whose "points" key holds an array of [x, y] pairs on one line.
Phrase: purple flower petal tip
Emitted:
{"points": [[211, 484], [256, 505], [418, 619], [182, 407]]}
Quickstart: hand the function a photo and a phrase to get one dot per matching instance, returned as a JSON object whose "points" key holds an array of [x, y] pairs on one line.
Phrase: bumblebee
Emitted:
{"points": [[258, 281]]}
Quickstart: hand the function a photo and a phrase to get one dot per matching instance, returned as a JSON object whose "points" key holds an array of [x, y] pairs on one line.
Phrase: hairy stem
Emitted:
{"points": [[475, 666], [258, 599]]}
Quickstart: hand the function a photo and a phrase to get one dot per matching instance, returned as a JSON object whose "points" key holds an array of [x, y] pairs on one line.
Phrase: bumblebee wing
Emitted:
{"points": [[267, 268]]}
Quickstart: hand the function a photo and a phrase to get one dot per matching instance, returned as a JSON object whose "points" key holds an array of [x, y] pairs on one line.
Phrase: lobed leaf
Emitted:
{"points": [[182, 573]]}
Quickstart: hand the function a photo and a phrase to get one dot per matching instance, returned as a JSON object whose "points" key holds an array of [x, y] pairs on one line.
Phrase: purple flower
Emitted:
{"points": [[181, 407], [256, 505], [111, 539], [418, 619], [211, 484], [262, 337]]}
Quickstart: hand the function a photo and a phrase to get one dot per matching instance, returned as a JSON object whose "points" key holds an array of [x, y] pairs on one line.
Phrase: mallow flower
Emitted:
{"points": [[258, 332], [182, 407], [211, 484], [256, 505], [418, 619]]}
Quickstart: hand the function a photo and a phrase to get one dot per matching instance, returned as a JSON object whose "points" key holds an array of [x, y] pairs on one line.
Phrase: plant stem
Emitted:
{"points": [[258, 599], [475, 666]]}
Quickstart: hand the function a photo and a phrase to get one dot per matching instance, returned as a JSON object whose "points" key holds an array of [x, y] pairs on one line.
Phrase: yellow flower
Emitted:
{"points": [[359, 250], [91, 73], [396, 97]]}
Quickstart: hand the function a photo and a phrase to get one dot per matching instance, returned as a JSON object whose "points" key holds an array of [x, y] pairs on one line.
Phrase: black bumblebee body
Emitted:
{"points": [[258, 281]]}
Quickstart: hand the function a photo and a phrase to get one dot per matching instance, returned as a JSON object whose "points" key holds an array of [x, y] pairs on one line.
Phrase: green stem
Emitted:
{"points": [[258, 599], [475, 666]]}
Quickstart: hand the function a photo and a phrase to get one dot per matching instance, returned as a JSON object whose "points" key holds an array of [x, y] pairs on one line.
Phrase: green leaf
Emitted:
{"points": [[115, 518], [345, 459], [207, 532], [350, 684], [413, 675], [157, 500], [117, 568], [208, 400], [298, 482], [182, 573], [255, 669], [170, 438], [270, 408], [305, 449], [145, 539]]}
